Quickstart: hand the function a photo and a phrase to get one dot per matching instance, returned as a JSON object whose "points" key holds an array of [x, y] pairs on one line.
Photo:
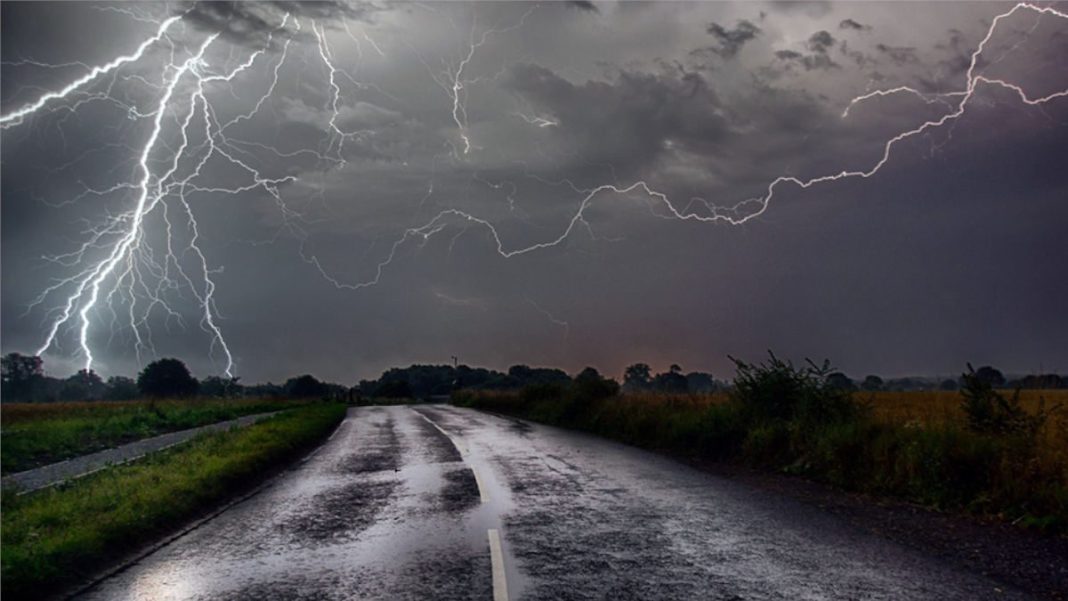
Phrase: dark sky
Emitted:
{"points": [[452, 136]]}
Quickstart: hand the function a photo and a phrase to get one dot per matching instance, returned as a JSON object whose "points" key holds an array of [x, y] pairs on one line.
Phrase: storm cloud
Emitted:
{"points": [[399, 183]]}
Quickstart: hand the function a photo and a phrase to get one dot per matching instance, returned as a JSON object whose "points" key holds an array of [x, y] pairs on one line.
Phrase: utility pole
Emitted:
{"points": [[455, 362]]}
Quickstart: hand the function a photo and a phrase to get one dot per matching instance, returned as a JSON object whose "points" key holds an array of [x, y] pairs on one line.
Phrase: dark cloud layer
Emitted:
{"points": [[947, 255]]}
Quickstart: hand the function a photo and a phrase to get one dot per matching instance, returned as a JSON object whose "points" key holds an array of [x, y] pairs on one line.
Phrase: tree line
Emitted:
{"points": [[23, 380]]}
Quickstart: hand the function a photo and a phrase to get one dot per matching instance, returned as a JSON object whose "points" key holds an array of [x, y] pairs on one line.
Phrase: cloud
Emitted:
{"points": [[251, 23], [854, 25], [900, 55], [583, 5], [731, 41], [820, 42], [812, 9]]}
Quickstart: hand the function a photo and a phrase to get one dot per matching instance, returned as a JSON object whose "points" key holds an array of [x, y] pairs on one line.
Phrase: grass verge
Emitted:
{"points": [[785, 420], [36, 434], [56, 536]]}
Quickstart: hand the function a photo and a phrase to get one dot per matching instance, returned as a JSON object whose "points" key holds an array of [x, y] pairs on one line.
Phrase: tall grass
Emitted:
{"points": [[36, 434], [911, 445], [50, 537]]}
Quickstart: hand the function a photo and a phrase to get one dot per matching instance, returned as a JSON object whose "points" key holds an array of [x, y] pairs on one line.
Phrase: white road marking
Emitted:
{"points": [[483, 492], [500, 585]]}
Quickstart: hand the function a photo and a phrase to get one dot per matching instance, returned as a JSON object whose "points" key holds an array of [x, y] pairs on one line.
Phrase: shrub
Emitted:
{"points": [[990, 412], [776, 391]]}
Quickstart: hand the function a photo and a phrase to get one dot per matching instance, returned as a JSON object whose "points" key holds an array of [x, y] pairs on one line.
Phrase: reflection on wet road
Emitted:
{"points": [[436, 502]]}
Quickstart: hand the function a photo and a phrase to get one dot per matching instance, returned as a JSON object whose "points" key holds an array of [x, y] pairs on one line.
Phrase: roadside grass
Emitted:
{"points": [[36, 434], [911, 445], [56, 536]]}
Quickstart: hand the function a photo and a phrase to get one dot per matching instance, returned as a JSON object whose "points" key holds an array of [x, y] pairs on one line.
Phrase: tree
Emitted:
{"points": [[305, 387], [698, 382], [637, 377], [840, 381], [20, 375], [83, 386], [217, 386], [167, 378], [121, 388], [394, 389], [872, 383], [671, 381], [589, 384], [949, 384], [991, 376]]}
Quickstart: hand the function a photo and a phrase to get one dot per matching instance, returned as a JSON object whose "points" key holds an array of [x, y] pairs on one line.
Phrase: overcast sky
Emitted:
{"points": [[450, 136]]}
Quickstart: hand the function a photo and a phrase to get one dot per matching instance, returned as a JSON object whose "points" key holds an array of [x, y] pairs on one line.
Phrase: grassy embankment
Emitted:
{"points": [[918, 446], [36, 434], [54, 536]]}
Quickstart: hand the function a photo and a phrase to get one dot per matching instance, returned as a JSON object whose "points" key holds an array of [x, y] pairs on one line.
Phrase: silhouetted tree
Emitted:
{"points": [[394, 389], [20, 375], [840, 381], [83, 386], [166, 378], [305, 387], [698, 382], [637, 377], [872, 383], [991, 376], [217, 386], [589, 384], [949, 384], [121, 388], [671, 381]]}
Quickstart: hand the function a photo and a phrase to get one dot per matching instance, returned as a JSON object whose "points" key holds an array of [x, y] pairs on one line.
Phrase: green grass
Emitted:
{"points": [[36, 434], [52, 536]]}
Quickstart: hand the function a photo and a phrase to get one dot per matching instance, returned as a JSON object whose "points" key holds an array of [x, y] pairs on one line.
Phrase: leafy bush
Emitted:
{"points": [[990, 412], [776, 391]]}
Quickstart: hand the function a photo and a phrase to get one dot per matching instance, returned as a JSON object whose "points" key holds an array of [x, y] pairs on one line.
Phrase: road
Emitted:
{"points": [[438, 502]]}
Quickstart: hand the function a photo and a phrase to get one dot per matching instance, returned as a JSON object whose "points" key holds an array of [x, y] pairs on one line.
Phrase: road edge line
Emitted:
{"points": [[500, 583]]}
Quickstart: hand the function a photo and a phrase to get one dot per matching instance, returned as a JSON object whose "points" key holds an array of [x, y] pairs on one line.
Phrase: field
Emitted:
{"points": [[36, 434], [55, 535], [911, 445]]}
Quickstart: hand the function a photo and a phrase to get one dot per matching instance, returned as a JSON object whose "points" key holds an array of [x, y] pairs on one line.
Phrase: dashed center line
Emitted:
{"points": [[500, 584]]}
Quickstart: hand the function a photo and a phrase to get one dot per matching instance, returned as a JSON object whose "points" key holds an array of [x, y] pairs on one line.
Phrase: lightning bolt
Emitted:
{"points": [[134, 269], [744, 210]]}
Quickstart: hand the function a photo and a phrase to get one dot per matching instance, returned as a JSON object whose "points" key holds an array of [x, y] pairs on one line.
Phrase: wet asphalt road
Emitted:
{"points": [[405, 503]]}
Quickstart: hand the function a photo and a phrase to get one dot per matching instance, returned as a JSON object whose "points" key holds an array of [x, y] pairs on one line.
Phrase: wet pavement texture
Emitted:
{"points": [[399, 502], [55, 473]]}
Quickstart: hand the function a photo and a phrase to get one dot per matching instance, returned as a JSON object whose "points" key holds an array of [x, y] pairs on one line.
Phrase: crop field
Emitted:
{"points": [[36, 434]]}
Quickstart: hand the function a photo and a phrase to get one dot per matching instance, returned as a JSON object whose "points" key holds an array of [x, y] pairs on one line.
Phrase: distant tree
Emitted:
{"points": [[840, 381], [991, 376], [698, 382], [121, 388], [589, 384], [1038, 382], [637, 377], [20, 375], [872, 383], [217, 386], [949, 384], [305, 387], [166, 378], [671, 381], [394, 389], [83, 386]]}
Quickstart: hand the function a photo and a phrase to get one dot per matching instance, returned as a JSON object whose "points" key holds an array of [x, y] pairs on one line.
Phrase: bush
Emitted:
{"points": [[776, 391], [990, 412]]}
